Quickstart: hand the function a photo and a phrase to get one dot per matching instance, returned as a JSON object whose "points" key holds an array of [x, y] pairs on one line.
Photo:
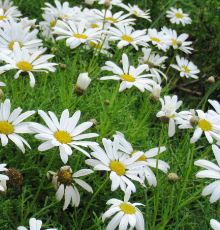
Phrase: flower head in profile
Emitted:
{"points": [[63, 182], [3, 178], [11, 124], [82, 83], [26, 63], [177, 16], [120, 167], [168, 113], [215, 224], [212, 171], [34, 225], [186, 68], [129, 76], [127, 214], [64, 134]]}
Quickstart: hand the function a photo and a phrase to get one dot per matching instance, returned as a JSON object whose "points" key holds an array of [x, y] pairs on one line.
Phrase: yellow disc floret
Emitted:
{"points": [[80, 36], [127, 208], [111, 19], [117, 167], [64, 177], [155, 39], [174, 42], [186, 70], [205, 125], [25, 66], [127, 77], [11, 45], [2, 17], [178, 15], [141, 158], [53, 23], [6, 128], [135, 11], [97, 46], [63, 137], [127, 38], [94, 25]]}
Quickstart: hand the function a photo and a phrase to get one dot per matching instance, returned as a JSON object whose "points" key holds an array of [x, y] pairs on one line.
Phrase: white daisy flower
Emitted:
{"points": [[212, 171], [13, 32], [178, 42], [127, 35], [7, 14], [77, 34], [153, 60], [64, 134], [5, 4], [11, 124], [34, 225], [186, 68], [25, 22], [177, 16], [168, 113], [113, 18], [3, 178], [63, 183], [63, 12], [27, 63], [121, 168], [128, 151], [129, 75], [136, 11], [159, 39], [207, 123], [215, 224], [82, 83], [127, 213]]}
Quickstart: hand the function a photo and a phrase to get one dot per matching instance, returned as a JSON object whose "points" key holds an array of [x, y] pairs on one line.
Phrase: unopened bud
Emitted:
{"points": [[32, 25], [82, 83], [211, 80], [15, 178], [89, 3], [107, 102], [53, 49], [94, 121], [107, 4], [172, 177], [194, 121], [1, 94], [155, 95], [120, 62], [63, 66]]}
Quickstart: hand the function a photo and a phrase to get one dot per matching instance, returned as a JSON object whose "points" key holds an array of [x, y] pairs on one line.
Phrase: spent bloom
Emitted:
{"points": [[121, 168], [64, 134], [34, 225], [11, 124], [129, 75], [186, 68], [63, 182], [177, 16], [127, 213], [212, 171]]}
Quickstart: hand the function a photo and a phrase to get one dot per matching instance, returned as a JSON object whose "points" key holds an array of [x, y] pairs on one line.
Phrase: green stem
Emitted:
{"points": [[90, 202], [40, 186], [114, 95], [42, 210]]}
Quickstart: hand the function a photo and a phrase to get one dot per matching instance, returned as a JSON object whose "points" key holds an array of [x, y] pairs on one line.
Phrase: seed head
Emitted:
{"points": [[15, 178]]}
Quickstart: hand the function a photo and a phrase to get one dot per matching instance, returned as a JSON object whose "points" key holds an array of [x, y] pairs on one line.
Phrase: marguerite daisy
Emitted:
{"points": [[129, 75], [27, 63], [177, 16], [7, 14], [186, 68], [64, 134], [11, 124]]}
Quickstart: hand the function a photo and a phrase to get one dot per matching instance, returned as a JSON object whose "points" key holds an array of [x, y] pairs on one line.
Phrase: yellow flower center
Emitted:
{"points": [[186, 70], [25, 66], [6, 128], [127, 38], [135, 11], [127, 208], [117, 167], [65, 16], [155, 39], [2, 17], [53, 23], [63, 137], [97, 46], [94, 25], [11, 45], [111, 19], [142, 158], [178, 15], [205, 125], [64, 177], [174, 42], [127, 77], [80, 36], [170, 116]]}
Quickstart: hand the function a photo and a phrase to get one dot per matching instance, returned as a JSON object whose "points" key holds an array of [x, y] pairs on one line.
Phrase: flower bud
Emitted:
{"points": [[211, 80], [62, 66], [89, 3], [94, 121], [107, 102], [194, 121], [172, 177], [107, 4], [53, 49], [82, 83], [1, 94], [155, 94], [15, 178]]}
